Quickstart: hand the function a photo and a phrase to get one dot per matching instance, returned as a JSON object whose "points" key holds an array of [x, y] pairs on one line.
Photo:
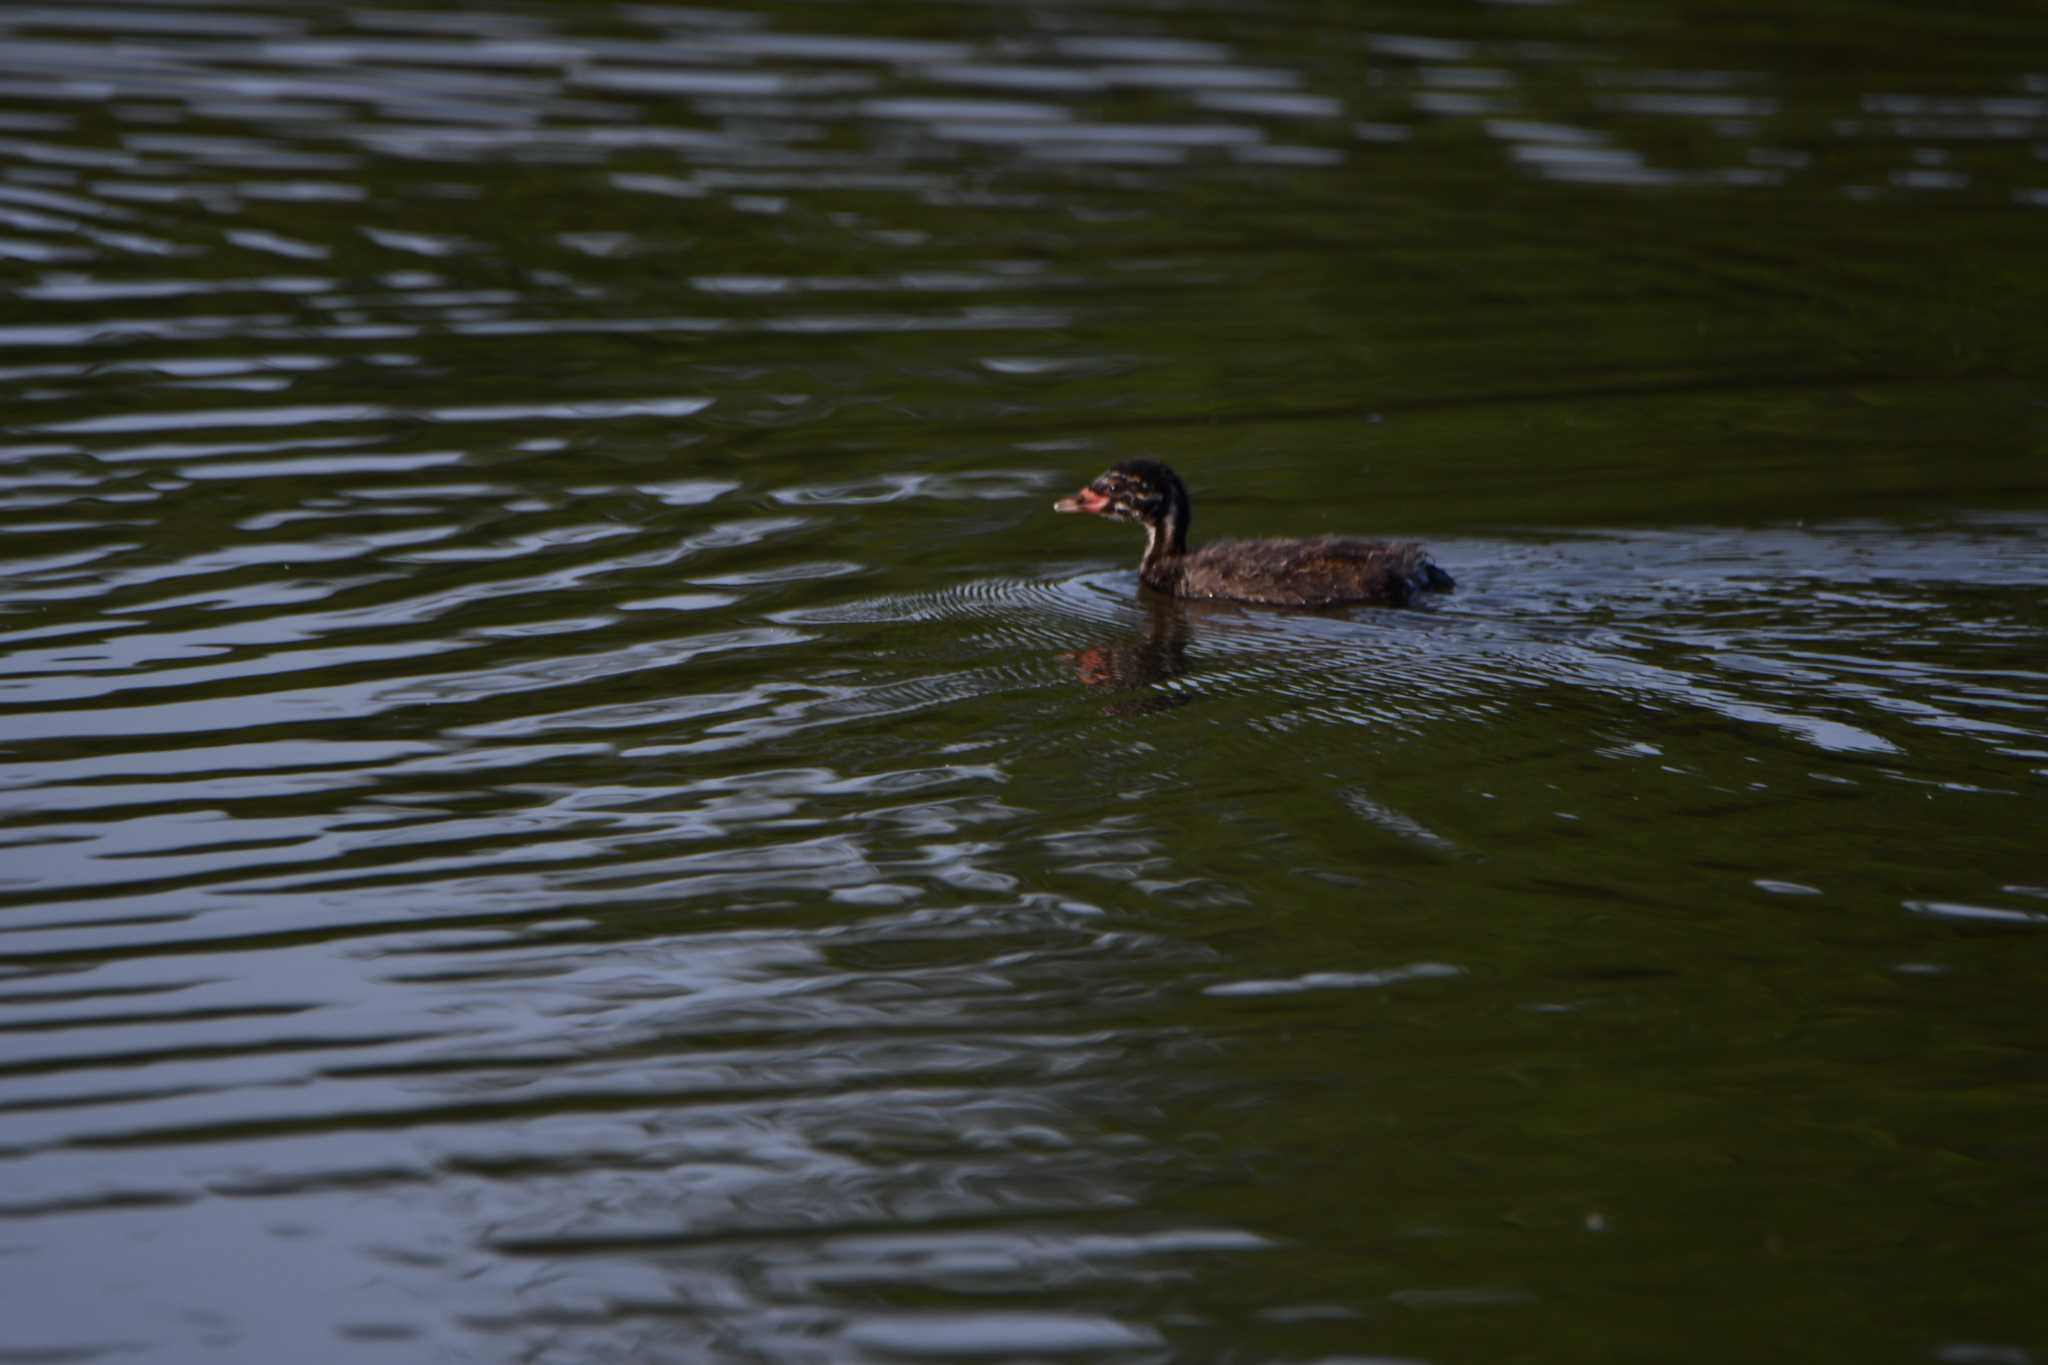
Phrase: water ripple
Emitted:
{"points": [[559, 782]]}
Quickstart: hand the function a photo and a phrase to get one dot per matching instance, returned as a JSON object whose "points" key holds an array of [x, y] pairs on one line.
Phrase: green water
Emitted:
{"points": [[564, 796]]}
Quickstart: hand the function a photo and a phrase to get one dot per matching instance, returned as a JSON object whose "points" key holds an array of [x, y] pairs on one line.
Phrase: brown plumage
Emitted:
{"points": [[1324, 572]]}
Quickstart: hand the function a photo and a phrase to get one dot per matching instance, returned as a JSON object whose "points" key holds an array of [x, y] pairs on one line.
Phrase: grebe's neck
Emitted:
{"points": [[1161, 564], [1166, 540]]}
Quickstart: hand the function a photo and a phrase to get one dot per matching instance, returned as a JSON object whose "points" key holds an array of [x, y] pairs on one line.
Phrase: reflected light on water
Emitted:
{"points": [[563, 796]]}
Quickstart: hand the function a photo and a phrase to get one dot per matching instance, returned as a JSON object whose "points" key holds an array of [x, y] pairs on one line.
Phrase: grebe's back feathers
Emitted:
{"points": [[1321, 572]]}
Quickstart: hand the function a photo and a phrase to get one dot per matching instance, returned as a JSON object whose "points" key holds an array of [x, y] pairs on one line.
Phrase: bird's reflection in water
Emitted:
{"points": [[1156, 653]]}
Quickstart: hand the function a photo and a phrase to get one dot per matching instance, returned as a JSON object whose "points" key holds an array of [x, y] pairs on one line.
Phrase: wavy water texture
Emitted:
{"points": [[563, 795]]}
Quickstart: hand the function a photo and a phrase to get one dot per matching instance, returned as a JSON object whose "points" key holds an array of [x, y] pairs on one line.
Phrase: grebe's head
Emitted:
{"points": [[1143, 491]]}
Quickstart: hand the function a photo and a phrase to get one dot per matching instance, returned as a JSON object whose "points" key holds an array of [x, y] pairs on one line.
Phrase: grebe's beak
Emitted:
{"points": [[1087, 500]]}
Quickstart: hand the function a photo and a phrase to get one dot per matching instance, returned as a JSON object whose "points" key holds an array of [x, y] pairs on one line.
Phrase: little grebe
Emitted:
{"points": [[1324, 572]]}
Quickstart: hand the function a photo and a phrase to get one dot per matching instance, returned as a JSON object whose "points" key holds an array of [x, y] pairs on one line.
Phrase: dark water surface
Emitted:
{"points": [[566, 798]]}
